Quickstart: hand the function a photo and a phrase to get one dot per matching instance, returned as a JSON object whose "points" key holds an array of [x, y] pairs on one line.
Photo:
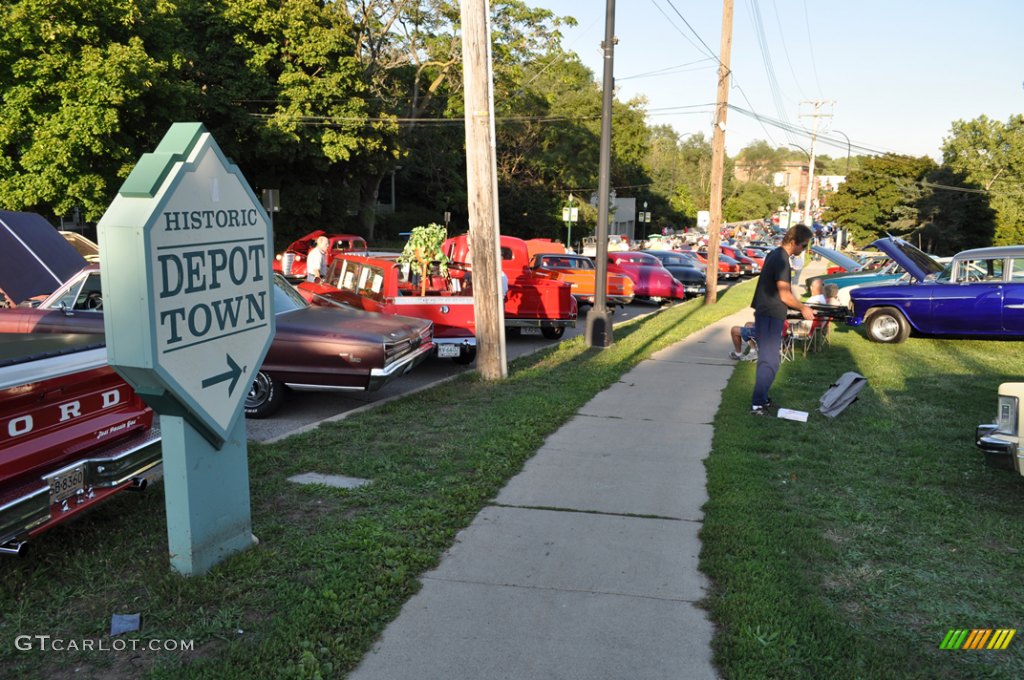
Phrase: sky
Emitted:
{"points": [[899, 72]]}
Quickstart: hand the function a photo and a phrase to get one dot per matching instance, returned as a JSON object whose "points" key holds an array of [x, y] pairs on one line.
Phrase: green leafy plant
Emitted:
{"points": [[424, 250]]}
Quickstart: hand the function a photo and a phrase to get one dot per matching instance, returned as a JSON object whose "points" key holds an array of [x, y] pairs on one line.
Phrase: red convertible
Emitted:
{"points": [[380, 284], [292, 262], [651, 281]]}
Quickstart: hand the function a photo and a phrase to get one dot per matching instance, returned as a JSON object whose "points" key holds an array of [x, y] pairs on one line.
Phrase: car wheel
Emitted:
{"points": [[887, 325], [466, 357], [265, 396], [553, 333]]}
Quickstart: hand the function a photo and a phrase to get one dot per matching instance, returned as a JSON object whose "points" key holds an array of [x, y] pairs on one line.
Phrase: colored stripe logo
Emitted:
{"points": [[978, 638]]}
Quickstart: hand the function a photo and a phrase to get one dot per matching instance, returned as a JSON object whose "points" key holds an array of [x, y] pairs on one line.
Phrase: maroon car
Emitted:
{"points": [[652, 282], [314, 348]]}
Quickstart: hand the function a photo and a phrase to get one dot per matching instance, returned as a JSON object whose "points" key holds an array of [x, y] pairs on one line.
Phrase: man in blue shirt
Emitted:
{"points": [[773, 298]]}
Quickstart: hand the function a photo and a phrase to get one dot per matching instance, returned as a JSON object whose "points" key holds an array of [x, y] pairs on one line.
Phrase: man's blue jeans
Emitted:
{"points": [[768, 333]]}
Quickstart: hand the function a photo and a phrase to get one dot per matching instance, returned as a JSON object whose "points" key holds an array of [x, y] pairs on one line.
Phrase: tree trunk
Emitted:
{"points": [[368, 190]]}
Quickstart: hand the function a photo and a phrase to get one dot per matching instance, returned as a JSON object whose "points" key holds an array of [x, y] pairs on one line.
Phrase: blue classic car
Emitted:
{"points": [[980, 292]]}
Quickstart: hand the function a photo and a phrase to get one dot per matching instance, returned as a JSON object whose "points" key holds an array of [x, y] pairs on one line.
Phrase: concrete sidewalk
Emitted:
{"points": [[586, 564]]}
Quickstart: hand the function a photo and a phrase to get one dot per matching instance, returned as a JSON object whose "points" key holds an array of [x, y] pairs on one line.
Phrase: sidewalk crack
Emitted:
{"points": [[587, 591], [632, 515]]}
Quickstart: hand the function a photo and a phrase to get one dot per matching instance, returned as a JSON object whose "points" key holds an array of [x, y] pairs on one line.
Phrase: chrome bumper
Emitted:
{"points": [[999, 452], [114, 468], [539, 323], [382, 376]]}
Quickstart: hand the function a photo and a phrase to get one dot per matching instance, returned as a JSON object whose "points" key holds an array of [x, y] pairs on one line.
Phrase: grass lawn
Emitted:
{"points": [[848, 548], [333, 567]]}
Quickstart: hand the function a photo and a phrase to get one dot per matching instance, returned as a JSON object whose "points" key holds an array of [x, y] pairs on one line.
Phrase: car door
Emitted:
{"points": [[1013, 297], [972, 302]]}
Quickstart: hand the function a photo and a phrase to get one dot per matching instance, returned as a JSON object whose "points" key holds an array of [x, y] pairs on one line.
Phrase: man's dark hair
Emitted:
{"points": [[799, 233]]}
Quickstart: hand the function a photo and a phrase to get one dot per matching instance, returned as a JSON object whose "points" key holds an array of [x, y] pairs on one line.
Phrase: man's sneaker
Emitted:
{"points": [[759, 411], [751, 355], [735, 355]]}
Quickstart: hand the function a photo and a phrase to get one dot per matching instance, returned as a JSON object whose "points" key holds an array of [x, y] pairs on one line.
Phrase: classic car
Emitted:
{"points": [[980, 292], [85, 247], [314, 348], [581, 273], [1000, 441], [842, 266], [728, 268], [617, 243], [736, 253], [532, 304], [652, 282], [34, 258], [380, 284], [682, 270], [73, 433], [847, 282], [292, 261]]}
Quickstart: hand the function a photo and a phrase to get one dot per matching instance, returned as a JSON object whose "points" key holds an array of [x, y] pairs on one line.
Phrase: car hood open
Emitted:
{"points": [[836, 257], [917, 263], [34, 258]]}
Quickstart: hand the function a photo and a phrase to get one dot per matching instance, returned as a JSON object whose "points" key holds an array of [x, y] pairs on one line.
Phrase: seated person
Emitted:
{"points": [[827, 295], [745, 347]]}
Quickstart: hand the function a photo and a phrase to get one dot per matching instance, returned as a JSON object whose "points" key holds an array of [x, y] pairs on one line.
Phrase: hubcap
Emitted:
{"points": [[259, 391], [886, 328]]}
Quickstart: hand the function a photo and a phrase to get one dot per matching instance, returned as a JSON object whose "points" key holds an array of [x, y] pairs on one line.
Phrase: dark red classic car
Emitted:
{"points": [[314, 348], [292, 262]]}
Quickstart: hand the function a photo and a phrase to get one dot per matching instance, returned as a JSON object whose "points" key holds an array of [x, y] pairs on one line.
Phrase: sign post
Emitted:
{"points": [[187, 287]]}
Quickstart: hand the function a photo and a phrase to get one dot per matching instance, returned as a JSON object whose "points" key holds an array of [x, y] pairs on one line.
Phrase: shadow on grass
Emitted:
{"points": [[849, 547]]}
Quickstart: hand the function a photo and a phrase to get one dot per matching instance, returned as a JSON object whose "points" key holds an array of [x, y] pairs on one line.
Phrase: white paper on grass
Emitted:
{"points": [[790, 414]]}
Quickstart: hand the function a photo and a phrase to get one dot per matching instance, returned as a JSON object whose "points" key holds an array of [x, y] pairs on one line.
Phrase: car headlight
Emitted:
{"points": [[1006, 415]]}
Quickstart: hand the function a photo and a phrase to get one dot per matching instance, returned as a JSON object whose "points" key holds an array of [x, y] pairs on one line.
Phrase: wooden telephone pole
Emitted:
{"points": [[718, 155], [482, 185]]}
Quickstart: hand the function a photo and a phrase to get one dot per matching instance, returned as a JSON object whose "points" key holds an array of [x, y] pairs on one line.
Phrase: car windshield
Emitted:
{"points": [[674, 260], [286, 298]]}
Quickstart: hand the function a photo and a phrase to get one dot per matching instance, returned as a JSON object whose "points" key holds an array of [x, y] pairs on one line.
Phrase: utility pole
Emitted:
{"points": [[482, 185], [817, 104], [718, 155], [599, 321]]}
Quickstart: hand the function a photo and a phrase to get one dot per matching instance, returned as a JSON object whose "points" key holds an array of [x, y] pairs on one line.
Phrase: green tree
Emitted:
{"points": [[758, 161], [86, 84], [752, 201], [990, 156], [882, 197]]}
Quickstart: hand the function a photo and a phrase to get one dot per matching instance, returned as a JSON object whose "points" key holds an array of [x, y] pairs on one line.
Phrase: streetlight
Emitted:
{"points": [[847, 150], [570, 214], [645, 217]]}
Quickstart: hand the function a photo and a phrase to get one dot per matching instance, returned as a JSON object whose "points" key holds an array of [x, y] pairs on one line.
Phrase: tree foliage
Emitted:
{"points": [[882, 197], [989, 156]]}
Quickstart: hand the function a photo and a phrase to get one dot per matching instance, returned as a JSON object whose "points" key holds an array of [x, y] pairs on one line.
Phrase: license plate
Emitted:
{"points": [[529, 330], [448, 351], [67, 484]]}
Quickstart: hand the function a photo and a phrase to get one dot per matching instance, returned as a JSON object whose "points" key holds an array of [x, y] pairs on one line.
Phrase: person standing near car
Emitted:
{"points": [[316, 261], [773, 298]]}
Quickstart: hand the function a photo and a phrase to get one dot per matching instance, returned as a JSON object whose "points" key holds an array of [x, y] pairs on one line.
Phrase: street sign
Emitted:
{"points": [[186, 259], [185, 252]]}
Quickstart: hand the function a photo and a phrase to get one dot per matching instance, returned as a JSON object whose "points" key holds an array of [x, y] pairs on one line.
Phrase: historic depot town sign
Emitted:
{"points": [[185, 254]]}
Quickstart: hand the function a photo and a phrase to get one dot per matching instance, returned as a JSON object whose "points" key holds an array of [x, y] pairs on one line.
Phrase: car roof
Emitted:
{"points": [[991, 252]]}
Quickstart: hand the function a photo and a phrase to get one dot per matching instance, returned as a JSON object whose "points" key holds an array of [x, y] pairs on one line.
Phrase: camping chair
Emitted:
{"points": [[821, 333], [786, 349]]}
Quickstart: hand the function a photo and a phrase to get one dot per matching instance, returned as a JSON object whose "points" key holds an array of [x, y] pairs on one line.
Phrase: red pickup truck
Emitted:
{"points": [[380, 284], [532, 304], [72, 433]]}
